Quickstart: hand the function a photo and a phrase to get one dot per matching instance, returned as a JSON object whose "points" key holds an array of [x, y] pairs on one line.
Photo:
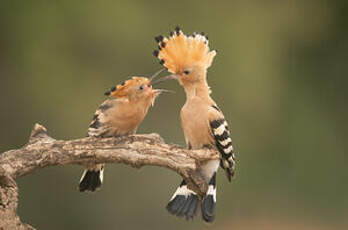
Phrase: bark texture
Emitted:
{"points": [[135, 150]]}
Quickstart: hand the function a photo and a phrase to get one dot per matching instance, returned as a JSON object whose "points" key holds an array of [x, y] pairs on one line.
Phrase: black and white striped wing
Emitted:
{"points": [[98, 127], [223, 143]]}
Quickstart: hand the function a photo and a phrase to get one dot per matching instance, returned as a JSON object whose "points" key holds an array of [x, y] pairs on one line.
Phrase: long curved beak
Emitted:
{"points": [[156, 74], [169, 77]]}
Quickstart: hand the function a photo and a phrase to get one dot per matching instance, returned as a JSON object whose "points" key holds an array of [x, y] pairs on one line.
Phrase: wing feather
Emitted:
{"points": [[223, 141]]}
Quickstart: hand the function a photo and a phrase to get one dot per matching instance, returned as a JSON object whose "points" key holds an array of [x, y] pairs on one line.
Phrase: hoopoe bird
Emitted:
{"points": [[119, 115], [203, 123]]}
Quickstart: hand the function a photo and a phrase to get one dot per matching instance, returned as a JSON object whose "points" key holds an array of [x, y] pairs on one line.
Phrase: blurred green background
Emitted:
{"points": [[280, 77]]}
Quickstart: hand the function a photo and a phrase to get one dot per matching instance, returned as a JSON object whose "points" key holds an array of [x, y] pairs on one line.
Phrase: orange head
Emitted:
{"points": [[135, 89], [188, 57]]}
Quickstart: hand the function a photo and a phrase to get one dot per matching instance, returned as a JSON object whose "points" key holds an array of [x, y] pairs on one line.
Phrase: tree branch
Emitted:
{"points": [[135, 150]]}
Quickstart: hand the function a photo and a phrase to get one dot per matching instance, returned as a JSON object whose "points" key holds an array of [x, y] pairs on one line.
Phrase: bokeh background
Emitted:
{"points": [[280, 77]]}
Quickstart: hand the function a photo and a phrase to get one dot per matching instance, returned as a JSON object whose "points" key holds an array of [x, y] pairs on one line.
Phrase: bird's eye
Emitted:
{"points": [[187, 72], [141, 87]]}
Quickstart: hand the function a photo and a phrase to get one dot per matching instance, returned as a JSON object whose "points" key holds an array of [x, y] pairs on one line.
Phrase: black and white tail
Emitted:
{"points": [[185, 201], [91, 179], [209, 201]]}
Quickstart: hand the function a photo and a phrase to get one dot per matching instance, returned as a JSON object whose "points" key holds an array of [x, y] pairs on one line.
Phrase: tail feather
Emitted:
{"points": [[191, 212], [209, 201], [174, 206], [184, 208], [184, 202], [208, 209], [91, 180]]}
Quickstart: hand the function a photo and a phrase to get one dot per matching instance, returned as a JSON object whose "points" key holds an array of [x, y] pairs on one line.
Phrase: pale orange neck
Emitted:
{"points": [[197, 89]]}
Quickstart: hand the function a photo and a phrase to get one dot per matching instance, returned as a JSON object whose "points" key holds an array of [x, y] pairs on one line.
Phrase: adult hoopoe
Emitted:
{"points": [[119, 115], [204, 125]]}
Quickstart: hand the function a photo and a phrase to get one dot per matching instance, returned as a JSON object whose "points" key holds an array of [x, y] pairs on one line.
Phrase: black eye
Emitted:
{"points": [[187, 72], [141, 87]]}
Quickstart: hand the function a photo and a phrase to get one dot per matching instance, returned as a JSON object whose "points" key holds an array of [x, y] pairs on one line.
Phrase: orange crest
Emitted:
{"points": [[122, 89], [180, 51]]}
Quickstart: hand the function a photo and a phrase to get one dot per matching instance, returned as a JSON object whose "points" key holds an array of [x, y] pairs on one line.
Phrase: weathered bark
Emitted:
{"points": [[135, 150]]}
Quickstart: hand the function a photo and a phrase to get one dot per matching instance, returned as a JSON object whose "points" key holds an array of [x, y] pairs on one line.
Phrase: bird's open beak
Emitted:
{"points": [[157, 92]]}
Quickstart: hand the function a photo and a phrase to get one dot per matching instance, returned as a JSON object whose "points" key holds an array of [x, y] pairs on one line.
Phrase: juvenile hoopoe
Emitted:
{"points": [[119, 115], [204, 125]]}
